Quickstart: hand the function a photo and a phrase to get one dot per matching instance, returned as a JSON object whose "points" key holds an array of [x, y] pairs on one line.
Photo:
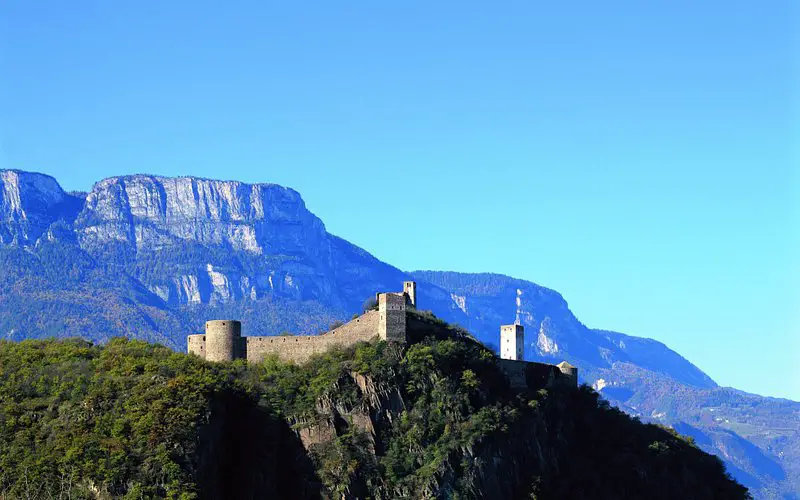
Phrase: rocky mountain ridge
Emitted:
{"points": [[30, 204], [150, 211], [153, 257]]}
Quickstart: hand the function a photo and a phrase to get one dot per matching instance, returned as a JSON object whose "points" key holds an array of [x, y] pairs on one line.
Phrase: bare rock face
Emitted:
{"points": [[198, 241], [246, 240], [29, 204], [148, 211], [193, 241]]}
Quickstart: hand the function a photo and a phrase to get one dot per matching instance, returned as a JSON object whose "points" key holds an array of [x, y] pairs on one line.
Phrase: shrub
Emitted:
{"points": [[371, 304]]}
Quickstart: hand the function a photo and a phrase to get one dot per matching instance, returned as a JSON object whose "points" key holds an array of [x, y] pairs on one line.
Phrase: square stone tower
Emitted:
{"points": [[512, 342], [392, 319]]}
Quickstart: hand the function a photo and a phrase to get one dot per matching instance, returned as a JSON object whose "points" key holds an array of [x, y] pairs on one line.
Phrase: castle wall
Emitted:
{"points": [[223, 341], [299, 348], [531, 375], [515, 371], [569, 374]]}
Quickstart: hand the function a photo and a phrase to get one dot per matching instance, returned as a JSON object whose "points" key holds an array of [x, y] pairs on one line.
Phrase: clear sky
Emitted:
{"points": [[639, 157]]}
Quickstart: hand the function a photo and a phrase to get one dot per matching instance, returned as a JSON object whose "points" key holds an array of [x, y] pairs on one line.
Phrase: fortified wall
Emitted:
{"points": [[299, 348], [527, 374], [223, 341]]}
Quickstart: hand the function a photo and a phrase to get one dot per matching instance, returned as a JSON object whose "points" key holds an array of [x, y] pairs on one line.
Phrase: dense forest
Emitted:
{"points": [[435, 419]]}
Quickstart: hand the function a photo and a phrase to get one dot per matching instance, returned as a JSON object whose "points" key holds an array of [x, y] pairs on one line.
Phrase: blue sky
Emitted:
{"points": [[639, 157]]}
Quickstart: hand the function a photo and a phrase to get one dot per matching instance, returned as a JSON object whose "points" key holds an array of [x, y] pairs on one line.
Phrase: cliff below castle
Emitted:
{"points": [[436, 419]]}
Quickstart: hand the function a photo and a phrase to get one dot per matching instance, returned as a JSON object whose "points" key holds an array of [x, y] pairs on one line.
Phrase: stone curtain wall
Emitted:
{"points": [[531, 375], [299, 348], [569, 374]]}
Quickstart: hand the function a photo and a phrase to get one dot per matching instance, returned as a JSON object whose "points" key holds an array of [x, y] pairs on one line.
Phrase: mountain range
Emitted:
{"points": [[155, 257]]}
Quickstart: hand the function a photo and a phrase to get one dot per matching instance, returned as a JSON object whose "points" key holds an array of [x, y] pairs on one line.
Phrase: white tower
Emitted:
{"points": [[512, 337], [410, 289], [512, 342]]}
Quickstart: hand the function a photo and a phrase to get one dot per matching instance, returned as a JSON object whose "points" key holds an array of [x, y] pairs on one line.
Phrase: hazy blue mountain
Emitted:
{"points": [[552, 330], [154, 257]]}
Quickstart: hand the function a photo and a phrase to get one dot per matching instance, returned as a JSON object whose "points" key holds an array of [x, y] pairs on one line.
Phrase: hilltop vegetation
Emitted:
{"points": [[434, 420]]}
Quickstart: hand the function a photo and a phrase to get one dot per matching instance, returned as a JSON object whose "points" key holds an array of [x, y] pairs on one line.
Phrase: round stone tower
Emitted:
{"points": [[223, 337]]}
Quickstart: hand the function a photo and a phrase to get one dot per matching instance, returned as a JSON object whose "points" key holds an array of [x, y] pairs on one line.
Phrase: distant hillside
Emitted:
{"points": [[435, 420], [554, 333], [153, 257]]}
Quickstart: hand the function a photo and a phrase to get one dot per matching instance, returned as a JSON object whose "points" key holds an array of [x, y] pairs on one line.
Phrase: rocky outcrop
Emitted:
{"points": [[29, 204], [149, 211], [198, 241], [235, 241]]}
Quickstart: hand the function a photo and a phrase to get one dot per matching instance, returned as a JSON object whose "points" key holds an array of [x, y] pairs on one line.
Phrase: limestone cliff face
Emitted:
{"points": [[29, 204], [250, 240], [150, 211], [193, 241], [197, 241]]}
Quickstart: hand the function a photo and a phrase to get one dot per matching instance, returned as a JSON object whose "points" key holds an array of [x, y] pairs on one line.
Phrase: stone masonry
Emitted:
{"points": [[392, 317], [299, 348], [223, 341]]}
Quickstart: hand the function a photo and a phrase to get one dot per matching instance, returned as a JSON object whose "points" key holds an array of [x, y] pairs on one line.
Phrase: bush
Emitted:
{"points": [[371, 304]]}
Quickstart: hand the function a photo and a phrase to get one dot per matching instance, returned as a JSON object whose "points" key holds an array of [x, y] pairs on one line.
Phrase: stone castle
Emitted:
{"points": [[223, 341]]}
